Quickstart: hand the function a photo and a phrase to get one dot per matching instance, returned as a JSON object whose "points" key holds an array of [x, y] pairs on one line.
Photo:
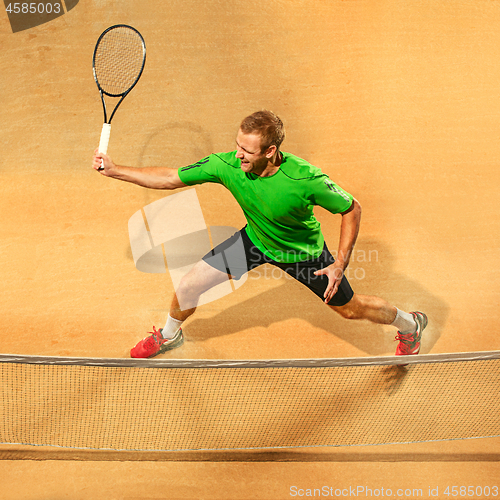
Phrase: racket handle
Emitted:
{"points": [[103, 143], [105, 133]]}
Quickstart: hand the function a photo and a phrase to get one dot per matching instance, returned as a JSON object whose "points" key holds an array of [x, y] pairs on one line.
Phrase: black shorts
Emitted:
{"points": [[238, 255]]}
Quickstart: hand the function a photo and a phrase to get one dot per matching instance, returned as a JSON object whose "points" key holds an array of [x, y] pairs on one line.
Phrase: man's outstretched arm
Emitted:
{"points": [[150, 177]]}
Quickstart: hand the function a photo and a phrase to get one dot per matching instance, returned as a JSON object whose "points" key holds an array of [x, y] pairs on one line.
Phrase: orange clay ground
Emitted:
{"points": [[399, 102]]}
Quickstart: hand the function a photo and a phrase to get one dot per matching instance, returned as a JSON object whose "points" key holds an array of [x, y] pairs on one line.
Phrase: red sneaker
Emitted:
{"points": [[155, 344], [409, 343]]}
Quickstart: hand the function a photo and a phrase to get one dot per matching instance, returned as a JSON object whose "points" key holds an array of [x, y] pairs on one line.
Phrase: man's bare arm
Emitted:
{"points": [[349, 230], [150, 177]]}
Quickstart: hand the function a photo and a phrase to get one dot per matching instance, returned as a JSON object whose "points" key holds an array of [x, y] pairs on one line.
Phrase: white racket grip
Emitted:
{"points": [[105, 133]]}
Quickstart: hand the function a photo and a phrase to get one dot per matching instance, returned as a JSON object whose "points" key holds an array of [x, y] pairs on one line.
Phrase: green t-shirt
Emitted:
{"points": [[279, 208]]}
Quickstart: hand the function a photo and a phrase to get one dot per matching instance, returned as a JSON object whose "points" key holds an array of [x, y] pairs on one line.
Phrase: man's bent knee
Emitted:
{"points": [[351, 310], [199, 279]]}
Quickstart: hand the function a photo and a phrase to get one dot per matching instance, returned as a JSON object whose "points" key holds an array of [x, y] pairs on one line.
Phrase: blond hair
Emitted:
{"points": [[267, 125]]}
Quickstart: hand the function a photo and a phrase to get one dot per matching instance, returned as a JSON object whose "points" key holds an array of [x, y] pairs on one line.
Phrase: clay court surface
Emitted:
{"points": [[399, 102]]}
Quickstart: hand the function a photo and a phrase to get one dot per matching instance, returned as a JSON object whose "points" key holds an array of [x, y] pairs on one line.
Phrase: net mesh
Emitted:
{"points": [[153, 408], [118, 60]]}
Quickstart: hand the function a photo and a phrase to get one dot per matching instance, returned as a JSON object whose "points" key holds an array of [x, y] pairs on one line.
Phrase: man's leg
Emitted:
{"points": [[353, 306], [226, 260], [201, 278], [368, 307], [410, 325]]}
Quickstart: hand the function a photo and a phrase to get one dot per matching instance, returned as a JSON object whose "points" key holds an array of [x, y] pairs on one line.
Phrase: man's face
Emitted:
{"points": [[248, 150]]}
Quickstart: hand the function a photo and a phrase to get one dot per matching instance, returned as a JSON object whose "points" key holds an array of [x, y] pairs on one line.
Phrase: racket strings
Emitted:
{"points": [[119, 60]]}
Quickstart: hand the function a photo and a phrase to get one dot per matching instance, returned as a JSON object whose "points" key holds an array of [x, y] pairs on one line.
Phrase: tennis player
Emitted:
{"points": [[277, 192]]}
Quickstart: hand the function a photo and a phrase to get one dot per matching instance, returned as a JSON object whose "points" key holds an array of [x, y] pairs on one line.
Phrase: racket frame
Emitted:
{"points": [[102, 92]]}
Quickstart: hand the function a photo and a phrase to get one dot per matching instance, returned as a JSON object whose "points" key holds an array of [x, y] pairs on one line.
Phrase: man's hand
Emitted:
{"points": [[103, 164], [335, 273]]}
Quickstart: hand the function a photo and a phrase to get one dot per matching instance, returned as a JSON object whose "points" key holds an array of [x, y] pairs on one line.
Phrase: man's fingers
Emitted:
{"points": [[98, 161], [330, 292], [334, 278]]}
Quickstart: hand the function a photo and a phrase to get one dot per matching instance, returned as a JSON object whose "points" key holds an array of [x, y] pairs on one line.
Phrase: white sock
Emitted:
{"points": [[171, 327], [404, 322]]}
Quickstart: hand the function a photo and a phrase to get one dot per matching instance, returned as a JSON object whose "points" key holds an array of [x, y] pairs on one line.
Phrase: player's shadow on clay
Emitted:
{"points": [[173, 144], [370, 273]]}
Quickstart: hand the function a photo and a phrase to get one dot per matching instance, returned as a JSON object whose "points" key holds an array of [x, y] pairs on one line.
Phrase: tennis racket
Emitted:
{"points": [[118, 62]]}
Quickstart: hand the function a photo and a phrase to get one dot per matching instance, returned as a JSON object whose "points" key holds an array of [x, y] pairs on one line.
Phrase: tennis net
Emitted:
{"points": [[178, 405]]}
